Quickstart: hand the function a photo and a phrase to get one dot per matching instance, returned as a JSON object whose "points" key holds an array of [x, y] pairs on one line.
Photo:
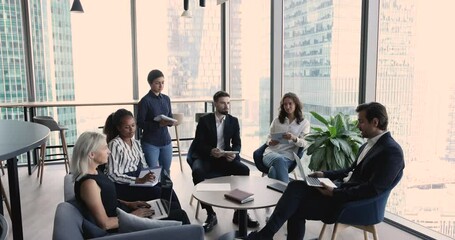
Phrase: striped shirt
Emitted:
{"points": [[124, 159]]}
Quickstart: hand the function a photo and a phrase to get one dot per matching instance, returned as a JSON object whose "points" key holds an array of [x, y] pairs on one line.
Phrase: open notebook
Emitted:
{"points": [[312, 181]]}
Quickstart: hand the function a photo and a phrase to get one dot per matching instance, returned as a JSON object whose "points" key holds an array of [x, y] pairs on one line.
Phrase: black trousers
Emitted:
{"points": [[216, 167], [298, 204], [134, 193]]}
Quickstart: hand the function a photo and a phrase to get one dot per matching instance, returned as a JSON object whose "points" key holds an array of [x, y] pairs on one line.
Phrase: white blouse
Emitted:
{"points": [[287, 149]]}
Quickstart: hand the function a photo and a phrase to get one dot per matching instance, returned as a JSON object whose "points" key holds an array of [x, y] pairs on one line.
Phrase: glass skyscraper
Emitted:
{"points": [[52, 59], [321, 53]]}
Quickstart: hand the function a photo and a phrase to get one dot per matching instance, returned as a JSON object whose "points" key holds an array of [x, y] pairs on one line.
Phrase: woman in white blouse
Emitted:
{"points": [[286, 135], [127, 160]]}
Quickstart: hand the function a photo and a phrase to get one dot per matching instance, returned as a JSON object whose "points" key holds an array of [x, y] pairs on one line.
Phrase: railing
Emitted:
{"points": [[30, 110]]}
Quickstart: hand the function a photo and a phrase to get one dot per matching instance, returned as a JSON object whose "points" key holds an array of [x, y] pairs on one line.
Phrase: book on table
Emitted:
{"points": [[239, 196], [278, 186]]}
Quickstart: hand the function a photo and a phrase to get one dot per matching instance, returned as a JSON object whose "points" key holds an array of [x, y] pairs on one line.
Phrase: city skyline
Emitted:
{"points": [[321, 63]]}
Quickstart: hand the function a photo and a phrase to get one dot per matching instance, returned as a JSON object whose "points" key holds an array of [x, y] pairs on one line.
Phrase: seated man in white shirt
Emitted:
{"points": [[215, 133]]}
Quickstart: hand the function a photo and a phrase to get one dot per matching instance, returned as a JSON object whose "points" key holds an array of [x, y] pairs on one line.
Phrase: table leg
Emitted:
{"points": [[243, 224], [16, 215], [242, 232]]}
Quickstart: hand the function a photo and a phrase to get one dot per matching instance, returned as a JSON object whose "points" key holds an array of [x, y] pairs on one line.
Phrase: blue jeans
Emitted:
{"points": [[158, 156], [278, 166]]}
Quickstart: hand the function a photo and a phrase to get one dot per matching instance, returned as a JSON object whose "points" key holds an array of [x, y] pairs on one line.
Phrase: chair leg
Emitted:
{"points": [[335, 231], [197, 210], [372, 229], [5, 198], [191, 200], [321, 234], [178, 147], [42, 165], [197, 206], [365, 235], [338, 227], [40, 170], [65, 151]]}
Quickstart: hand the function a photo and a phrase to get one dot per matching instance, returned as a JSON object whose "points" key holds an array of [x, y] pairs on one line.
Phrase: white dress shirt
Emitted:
{"points": [[220, 131], [370, 143]]}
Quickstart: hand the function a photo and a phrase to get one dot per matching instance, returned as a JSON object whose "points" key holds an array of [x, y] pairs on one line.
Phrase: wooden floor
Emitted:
{"points": [[39, 203]]}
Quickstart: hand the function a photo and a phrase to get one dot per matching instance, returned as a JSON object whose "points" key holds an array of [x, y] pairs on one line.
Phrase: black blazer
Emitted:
{"points": [[206, 137], [375, 173]]}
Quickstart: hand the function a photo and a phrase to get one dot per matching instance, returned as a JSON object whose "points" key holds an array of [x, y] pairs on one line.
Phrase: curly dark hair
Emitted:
{"points": [[113, 121], [298, 108]]}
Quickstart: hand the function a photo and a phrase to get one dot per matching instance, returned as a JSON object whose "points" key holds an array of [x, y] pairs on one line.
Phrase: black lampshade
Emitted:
{"points": [[186, 4], [77, 6]]}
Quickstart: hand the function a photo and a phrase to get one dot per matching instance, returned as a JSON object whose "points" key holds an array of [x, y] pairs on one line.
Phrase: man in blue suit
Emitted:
{"points": [[379, 162], [215, 133]]}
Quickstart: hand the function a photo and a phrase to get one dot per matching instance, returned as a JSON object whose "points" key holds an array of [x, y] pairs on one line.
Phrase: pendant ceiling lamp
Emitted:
{"points": [[186, 13], [77, 7]]}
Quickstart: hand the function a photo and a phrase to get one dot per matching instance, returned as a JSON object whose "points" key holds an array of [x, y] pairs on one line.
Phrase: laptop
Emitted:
{"points": [[312, 181], [162, 206]]}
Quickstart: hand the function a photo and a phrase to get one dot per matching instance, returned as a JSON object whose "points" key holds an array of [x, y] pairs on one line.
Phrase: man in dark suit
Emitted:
{"points": [[215, 133], [379, 162]]}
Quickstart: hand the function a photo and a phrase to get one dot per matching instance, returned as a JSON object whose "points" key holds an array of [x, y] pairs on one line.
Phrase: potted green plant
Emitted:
{"points": [[335, 146]]}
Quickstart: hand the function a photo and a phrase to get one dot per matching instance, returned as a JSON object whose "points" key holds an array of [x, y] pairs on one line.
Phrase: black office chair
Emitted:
{"points": [[259, 154]]}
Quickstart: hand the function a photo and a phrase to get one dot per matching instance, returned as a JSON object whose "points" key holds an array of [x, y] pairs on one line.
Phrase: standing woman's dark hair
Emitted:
{"points": [[298, 108], [112, 123]]}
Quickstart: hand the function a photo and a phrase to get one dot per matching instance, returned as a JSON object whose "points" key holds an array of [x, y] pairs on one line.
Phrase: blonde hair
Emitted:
{"points": [[86, 143]]}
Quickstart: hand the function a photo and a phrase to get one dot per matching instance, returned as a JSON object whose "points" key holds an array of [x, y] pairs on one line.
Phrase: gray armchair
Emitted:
{"points": [[68, 224]]}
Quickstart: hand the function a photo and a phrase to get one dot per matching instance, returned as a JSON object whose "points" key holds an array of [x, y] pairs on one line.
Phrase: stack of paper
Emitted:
{"points": [[164, 117]]}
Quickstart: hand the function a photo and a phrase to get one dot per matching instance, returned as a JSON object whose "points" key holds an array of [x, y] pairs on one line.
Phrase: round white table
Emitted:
{"points": [[263, 197], [18, 137]]}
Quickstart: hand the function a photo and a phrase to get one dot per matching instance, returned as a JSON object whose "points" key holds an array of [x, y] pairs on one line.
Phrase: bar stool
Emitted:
{"points": [[179, 118], [4, 197], [53, 126]]}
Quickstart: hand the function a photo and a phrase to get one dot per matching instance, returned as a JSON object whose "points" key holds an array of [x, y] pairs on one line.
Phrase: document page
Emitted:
{"points": [[156, 171], [213, 187], [164, 117], [279, 137]]}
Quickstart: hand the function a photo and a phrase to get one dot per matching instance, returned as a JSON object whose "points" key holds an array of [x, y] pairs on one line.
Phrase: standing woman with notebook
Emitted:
{"points": [[156, 141], [286, 135], [127, 160]]}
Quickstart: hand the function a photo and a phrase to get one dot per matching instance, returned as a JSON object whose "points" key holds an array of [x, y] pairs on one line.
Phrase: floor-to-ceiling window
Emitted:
{"points": [[321, 54], [249, 69], [101, 39], [415, 83], [186, 50]]}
